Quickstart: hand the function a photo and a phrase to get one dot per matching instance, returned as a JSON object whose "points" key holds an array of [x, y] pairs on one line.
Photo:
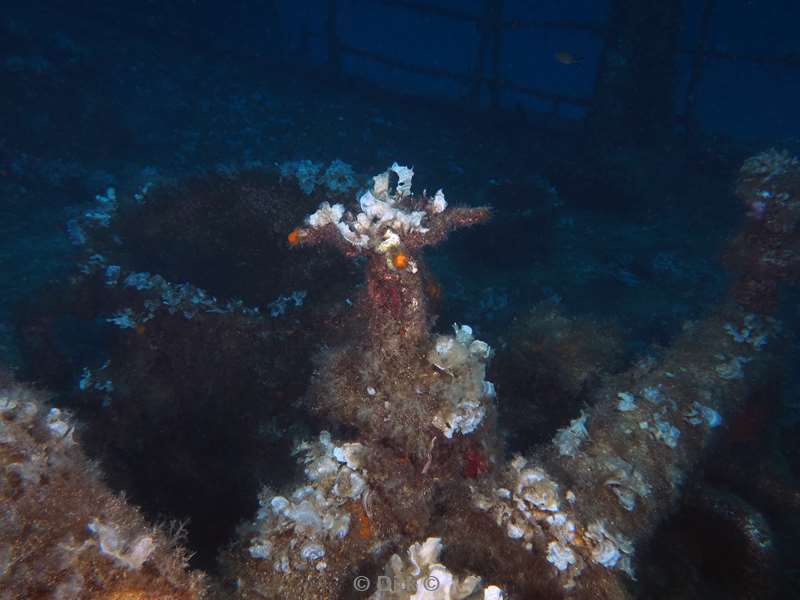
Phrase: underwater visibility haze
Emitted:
{"points": [[399, 300]]}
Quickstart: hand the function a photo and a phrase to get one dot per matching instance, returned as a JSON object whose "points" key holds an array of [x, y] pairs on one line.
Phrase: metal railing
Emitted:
{"points": [[492, 25]]}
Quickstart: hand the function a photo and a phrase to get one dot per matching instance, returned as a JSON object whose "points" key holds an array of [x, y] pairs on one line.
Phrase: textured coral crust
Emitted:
{"points": [[257, 579], [403, 505], [577, 505], [51, 496], [327, 234], [590, 478], [393, 398], [442, 224], [759, 295], [390, 229], [746, 531], [695, 369], [396, 307], [388, 354], [562, 359], [420, 565], [394, 302], [475, 544], [767, 252], [398, 507], [439, 226]]}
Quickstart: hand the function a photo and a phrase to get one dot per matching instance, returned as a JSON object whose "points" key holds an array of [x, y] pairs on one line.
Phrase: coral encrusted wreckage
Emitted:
{"points": [[408, 494], [564, 519], [63, 533]]}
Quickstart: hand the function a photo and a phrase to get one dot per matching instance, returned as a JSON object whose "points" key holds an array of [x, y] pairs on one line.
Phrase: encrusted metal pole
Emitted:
{"points": [[586, 501], [425, 469]]}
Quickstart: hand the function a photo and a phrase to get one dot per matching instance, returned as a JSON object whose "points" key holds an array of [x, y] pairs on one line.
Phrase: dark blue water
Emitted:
{"points": [[167, 139]]}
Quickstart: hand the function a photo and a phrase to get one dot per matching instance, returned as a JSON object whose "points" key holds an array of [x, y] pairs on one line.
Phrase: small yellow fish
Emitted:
{"points": [[567, 58]]}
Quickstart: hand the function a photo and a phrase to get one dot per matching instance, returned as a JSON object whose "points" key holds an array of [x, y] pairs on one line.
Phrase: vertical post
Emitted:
{"points": [[276, 44], [490, 31], [496, 24], [635, 89], [304, 49], [481, 27], [698, 61], [334, 56]]}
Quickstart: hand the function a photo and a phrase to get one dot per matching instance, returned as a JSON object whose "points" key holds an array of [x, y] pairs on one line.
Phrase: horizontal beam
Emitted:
{"points": [[439, 11], [787, 60], [464, 78], [460, 15], [543, 95], [594, 28], [398, 64]]}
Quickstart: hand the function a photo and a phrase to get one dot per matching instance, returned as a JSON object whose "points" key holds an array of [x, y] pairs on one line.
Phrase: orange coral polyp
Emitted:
{"points": [[400, 260], [294, 236]]}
